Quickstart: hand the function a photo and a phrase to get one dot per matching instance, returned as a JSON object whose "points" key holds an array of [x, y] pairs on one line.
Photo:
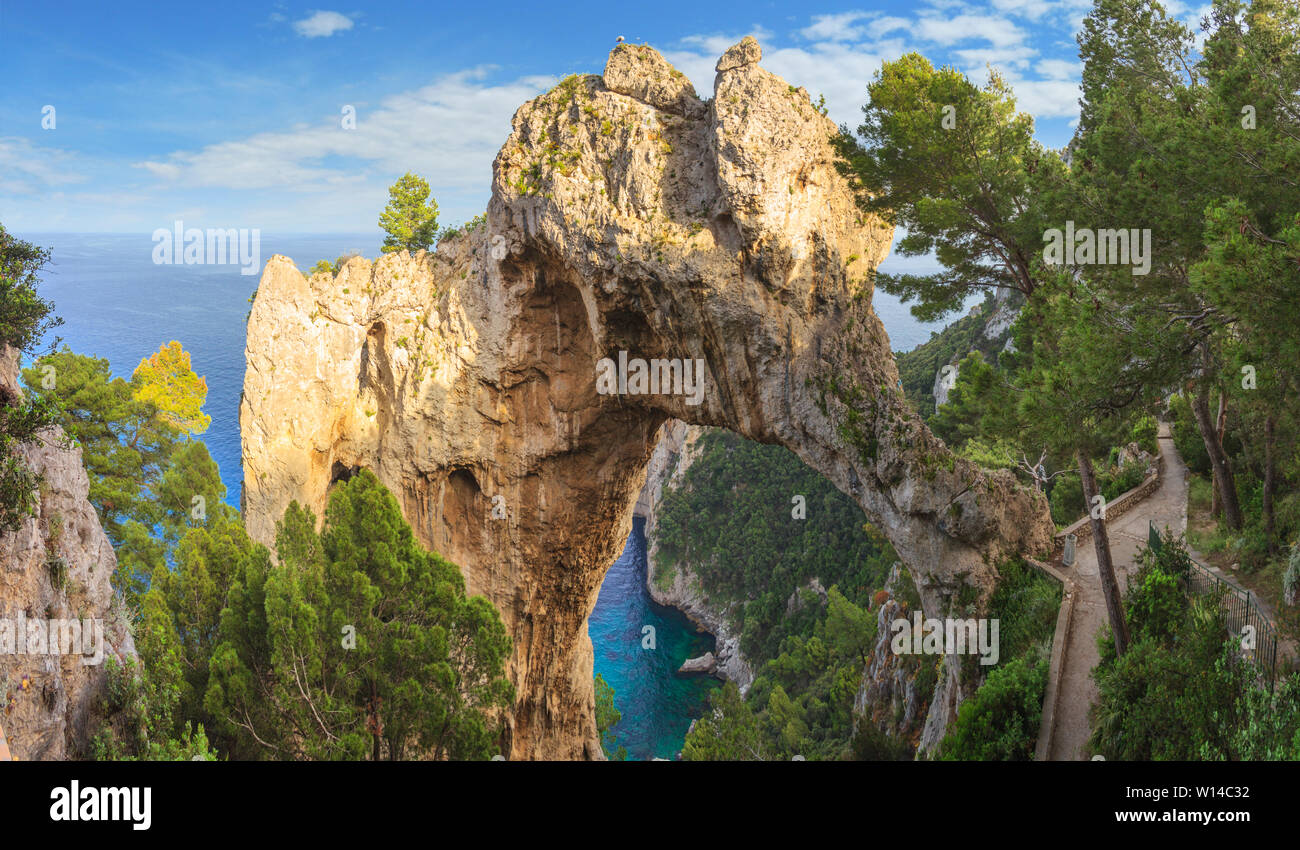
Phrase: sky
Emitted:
{"points": [[125, 117]]}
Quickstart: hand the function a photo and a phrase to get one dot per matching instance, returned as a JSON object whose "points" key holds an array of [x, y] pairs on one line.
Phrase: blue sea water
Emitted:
{"points": [[656, 702], [118, 305]]}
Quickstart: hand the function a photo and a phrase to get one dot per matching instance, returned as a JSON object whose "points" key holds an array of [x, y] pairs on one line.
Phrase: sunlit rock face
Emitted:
{"points": [[629, 221]]}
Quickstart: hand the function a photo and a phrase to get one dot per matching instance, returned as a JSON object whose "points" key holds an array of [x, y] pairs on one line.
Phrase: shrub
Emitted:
{"points": [[1187, 438], [1000, 722], [1114, 483], [870, 743], [1144, 434], [1025, 604], [1066, 499]]}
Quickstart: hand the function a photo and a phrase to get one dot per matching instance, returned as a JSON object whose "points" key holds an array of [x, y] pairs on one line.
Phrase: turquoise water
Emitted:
{"points": [[657, 704], [120, 306]]}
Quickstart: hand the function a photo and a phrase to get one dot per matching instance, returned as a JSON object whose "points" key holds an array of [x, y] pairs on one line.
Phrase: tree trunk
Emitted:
{"points": [[1226, 486], [1270, 478], [1221, 422], [1105, 568]]}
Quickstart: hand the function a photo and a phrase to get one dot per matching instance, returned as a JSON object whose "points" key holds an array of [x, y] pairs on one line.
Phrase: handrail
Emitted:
{"points": [[1240, 608]]}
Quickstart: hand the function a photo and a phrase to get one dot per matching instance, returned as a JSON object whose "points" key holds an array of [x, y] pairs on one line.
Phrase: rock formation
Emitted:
{"points": [[705, 663], [56, 565], [627, 216]]}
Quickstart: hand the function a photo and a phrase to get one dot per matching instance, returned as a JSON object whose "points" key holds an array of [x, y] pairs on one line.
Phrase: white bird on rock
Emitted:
{"points": [[618, 40]]}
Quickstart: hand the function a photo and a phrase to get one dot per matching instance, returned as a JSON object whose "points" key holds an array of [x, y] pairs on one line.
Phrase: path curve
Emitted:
{"points": [[1166, 507]]}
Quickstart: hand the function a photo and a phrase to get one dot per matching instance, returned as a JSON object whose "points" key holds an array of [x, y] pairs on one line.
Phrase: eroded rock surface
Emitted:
{"points": [[626, 216], [56, 565]]}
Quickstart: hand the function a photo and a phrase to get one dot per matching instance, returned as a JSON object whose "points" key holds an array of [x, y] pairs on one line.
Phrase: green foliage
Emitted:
{"points": [[1025, 603], [1156, 604], [957, 166], [468, 227], [144, 474], [1066, 499], [1182, 691], [1144, 434], [166, 383], [1291, 578], [918, 368], [990, 454], [410, 221], [326, 267], [729, 731], [139, 700], [360, 642], [870, 743], [607, 717], [978, 403], [1000, 722], [1187, 439], [21, 421], [24, 319], [731, 523], [801, 702]]}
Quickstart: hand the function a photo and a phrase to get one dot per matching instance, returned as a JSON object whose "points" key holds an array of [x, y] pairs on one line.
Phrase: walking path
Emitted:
{"points": [[1166, 507]]}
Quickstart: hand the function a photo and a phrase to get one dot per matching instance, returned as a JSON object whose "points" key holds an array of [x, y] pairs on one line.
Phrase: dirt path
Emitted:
{"points": [[1166, 507]]}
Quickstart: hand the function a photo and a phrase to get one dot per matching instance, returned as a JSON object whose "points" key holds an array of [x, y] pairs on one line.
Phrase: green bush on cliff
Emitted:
{"points": [[801, 701], [733, 522], [25, 318], [1000, 722], [607, 717]]}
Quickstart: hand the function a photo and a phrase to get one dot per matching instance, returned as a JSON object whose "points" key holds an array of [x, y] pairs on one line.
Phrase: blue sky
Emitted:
{"points": [[230, 115]]}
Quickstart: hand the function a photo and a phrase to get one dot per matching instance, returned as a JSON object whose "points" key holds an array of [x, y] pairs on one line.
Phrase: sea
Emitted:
{"points": [[118, 304]]}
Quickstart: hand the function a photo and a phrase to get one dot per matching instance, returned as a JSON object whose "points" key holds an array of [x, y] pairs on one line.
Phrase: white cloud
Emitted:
{"points": [[836, 70], [322, 24], [888, 24], [835, 27], [999, 32], [976, 60], [1059, 69], [448, 131], [1046, 98], [1032, 9], [32, 169]]}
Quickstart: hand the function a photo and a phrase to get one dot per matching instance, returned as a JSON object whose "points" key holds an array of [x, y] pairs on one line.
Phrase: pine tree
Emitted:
{"points": [[410, 221]]}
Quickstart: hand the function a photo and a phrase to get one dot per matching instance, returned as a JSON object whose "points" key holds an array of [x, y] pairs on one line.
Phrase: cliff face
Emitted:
{"points": [[670, 460], [892, 696], [626, 216], [673, 456], [56, 566]]}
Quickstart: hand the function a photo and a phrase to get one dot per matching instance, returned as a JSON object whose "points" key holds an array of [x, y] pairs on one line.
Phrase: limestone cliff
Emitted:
{"points": [[670, 460], [910, 697], [627, 215], [676, 585], [56, 565]]}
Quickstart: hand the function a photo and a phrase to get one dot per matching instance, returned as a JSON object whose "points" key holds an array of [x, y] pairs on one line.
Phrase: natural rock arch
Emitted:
{"points": [[626, 215]]}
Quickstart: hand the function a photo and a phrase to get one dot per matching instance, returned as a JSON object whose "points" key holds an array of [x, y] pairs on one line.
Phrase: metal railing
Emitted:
{"points": [[1244, 617]]}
